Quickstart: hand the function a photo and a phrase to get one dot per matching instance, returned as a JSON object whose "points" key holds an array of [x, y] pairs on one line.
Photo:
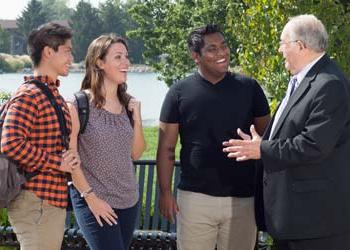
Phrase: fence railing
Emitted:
{"points": [[152, 230]]}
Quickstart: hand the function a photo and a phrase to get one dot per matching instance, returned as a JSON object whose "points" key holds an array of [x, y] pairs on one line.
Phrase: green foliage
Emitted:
{"points": [[4, 65], [252, 28], [4, 41], [337, 22], [16, 65], [113, 16], [4, 96], [57, 9], [257, 26], [3, 217], [258, 54], [115, 19], [86, 24], [86, 21], [136, 45], [32, 17], [165, 25], [9, 63]]}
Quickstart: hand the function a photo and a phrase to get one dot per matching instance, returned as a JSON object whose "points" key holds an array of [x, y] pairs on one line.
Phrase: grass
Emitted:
{"points": [[151, 137]]}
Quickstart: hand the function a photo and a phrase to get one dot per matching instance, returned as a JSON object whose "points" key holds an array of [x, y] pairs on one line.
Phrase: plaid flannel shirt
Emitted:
{"points": [[31, 136]]}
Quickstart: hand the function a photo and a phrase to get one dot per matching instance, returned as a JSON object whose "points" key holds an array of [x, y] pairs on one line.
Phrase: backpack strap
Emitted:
{"points": [[129, 113], [59, 112], [83, 109]]}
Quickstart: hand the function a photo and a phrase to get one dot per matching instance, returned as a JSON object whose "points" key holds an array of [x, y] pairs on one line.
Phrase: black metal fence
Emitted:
{"points": [[153, 231]]}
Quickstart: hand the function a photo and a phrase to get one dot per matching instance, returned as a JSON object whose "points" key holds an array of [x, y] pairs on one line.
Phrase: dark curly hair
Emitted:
{"points": [[195, 41]]}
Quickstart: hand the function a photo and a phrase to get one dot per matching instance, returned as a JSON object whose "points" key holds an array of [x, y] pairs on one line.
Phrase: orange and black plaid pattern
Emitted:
{"points": [[31, 136]]}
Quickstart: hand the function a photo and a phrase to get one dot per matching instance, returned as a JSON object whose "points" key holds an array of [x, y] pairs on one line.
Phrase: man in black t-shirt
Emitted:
{"points": [[215, 204]]}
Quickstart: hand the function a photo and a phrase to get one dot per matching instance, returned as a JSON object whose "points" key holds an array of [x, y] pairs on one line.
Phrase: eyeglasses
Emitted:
{"points": [[281, 43]]}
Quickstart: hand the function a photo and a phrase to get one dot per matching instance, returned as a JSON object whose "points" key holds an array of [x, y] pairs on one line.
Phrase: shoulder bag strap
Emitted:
{"points": [[83, 109], [59, 112]]}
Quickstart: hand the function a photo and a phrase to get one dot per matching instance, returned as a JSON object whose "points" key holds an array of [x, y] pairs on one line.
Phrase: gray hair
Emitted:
{"points": [[309, 30]]}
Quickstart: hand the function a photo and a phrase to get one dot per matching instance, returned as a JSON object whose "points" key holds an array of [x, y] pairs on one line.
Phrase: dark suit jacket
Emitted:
{"points": [[306, 164]]}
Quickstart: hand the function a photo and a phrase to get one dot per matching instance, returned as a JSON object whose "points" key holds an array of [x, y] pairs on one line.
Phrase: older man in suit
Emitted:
{"points": [[305, 152]]}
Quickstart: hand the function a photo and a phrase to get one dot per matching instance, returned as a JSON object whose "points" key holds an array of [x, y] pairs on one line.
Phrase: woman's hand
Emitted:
{"points": [[70, 161], [101, 210], [134, 106]]}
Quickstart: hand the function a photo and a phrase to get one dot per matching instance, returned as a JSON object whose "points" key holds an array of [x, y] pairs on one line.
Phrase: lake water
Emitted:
{"points": [[143, 86]]}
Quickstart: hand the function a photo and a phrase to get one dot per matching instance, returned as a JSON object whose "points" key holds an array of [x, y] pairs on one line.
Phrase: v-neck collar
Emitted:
{"points": [[208, 83]]}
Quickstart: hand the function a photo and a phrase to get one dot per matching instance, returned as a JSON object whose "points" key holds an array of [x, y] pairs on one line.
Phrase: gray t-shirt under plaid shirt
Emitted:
{"points": [[105, 152]]}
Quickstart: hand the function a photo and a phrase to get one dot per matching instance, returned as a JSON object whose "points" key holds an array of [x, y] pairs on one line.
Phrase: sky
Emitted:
{"points": [[13, 8]]}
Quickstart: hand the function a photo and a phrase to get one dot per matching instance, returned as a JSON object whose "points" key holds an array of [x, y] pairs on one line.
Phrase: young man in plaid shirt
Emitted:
{"points": [[32, 137]]}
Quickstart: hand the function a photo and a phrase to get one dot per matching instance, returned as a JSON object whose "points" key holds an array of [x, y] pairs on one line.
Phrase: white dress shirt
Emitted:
{"points": [[299, 77]]}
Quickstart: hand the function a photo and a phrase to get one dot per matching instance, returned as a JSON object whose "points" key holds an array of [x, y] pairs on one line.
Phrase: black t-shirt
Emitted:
{"points": [[209, 114]]}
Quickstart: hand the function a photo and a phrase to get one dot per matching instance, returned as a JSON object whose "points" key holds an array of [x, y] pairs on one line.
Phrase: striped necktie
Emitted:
{"points": [[293, 81]]}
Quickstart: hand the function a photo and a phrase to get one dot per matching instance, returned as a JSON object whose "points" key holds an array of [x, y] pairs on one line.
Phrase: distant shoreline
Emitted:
{"points": [[22, 64], [135, 68], [77, 68]]}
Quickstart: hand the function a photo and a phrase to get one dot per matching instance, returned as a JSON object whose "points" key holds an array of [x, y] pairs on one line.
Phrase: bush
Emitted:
{"points": [[25, 60], [14, 63], [4, 65], [4, 96]]}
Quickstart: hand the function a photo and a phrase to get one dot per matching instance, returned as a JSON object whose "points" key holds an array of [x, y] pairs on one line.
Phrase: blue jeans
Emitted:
{"points": [[116, 237]]}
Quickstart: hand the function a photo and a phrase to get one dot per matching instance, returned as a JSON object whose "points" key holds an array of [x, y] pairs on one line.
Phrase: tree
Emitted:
{"points": [[112, 16], [258, 25], [57, 9], [31, 17], [86, 25], [164, 26], [5, 43], [252, 28], [115, 18], [136, 45]]}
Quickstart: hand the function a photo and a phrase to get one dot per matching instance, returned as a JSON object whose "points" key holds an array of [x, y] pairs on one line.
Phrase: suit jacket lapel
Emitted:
{"points": [[299, 92]]}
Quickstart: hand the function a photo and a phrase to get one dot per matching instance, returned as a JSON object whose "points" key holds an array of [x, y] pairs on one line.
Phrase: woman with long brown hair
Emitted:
{"points": [[105, 191]]}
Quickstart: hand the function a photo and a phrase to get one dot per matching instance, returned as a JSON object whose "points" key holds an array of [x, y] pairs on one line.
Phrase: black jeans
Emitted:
{"points": [[116, 237]]}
